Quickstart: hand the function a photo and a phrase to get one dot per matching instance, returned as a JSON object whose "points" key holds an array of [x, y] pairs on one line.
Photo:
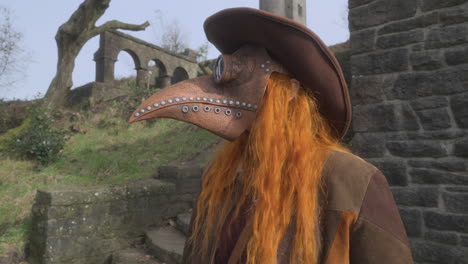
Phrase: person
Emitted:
{"points": [[282, 189]]}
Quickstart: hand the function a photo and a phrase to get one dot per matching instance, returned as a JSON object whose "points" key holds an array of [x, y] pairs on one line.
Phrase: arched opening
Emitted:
{"points": [[157, 74], [125, 68], [179, 75]]}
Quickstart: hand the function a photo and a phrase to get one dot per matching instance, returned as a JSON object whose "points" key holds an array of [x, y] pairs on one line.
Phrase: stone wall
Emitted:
{"points": [[409, 67], [84, 225]]}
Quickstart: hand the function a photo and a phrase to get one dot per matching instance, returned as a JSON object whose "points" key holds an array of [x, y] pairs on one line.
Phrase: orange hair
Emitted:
{"points": [[282, 158]]}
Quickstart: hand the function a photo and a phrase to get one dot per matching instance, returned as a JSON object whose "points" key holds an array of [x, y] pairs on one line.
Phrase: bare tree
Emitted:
{"points": [[173, 38], [10, 51], [71, 37]]}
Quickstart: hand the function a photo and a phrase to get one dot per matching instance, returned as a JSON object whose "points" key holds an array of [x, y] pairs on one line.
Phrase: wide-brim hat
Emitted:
{"points": [[296, 47]]}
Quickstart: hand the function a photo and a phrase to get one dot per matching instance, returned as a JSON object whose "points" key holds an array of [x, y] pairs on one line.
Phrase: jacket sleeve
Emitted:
{"points": [[379, 236]]}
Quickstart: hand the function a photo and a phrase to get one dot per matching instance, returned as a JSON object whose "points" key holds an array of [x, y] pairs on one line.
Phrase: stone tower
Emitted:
{"points": [[294, 9]]}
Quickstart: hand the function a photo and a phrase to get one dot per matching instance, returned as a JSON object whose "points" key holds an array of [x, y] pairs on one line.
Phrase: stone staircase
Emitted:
{"points": [[163, 245]]}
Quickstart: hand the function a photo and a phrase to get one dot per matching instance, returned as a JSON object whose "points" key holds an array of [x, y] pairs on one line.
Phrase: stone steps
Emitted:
{"points": [[133, 256], [183, 222], [166, 243]]}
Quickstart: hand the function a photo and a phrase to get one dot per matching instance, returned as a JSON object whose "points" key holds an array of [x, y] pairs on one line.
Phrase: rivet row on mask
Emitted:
{"points": [[211, 100]]}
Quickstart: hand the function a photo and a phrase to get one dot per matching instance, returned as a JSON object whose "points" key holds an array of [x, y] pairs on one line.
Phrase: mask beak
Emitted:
{"points": [[202, 102]]}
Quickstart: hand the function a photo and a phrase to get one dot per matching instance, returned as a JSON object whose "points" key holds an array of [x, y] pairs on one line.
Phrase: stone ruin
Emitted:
{"points": [[155, 67]]}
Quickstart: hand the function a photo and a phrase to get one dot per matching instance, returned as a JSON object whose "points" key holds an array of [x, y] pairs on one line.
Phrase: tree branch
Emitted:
{"points": [[115, 24]]}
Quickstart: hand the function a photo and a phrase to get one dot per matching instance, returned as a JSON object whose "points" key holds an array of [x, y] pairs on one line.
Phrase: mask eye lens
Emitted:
{"points": [[219, 68]]}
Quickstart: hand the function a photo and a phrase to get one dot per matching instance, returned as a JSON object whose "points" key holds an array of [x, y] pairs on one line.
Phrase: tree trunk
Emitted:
{"points": [[71, 37]]}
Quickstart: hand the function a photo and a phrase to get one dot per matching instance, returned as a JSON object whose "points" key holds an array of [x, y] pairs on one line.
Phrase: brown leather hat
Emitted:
{"points": [[293, 45]]}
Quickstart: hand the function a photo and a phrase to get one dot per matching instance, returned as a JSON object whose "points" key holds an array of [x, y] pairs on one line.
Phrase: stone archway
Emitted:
{"points": [[180, 74]]}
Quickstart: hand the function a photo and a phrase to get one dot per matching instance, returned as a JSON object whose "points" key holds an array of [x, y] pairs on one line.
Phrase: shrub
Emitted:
{"points": [[40, 141]]}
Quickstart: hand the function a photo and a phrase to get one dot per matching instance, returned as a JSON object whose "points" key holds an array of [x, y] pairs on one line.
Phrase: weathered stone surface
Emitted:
{"points": [[441, 82], [132, 256], [426, 176], [456, 202], [460, 148], [454, 15], [386, 117], [459, 104], [410, 24], [362, 41], [369, 89], [183, 223], [428, 5], [400, 39], [412, 219], [464, 240], [426, 60], [355, 3], [379, 12], [423, 135], [417, 149], [71, 195], [451, 164], [387, 61], [447, 36], [448, 222], [434, 119], [441, 237], [430, 252], [429, 102], [368, 145], [416, 196], [394, 171], [456, 56]]}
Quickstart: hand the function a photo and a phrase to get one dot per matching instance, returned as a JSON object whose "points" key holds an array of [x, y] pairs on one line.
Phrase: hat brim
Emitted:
{"points": [[296, 47]]}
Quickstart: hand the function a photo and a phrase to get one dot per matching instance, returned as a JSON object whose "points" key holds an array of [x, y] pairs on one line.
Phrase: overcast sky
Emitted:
{"points": [[38, 22]]}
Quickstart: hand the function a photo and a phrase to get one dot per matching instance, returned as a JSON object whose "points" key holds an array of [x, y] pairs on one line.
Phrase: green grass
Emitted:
{"points": [[109, 151]]}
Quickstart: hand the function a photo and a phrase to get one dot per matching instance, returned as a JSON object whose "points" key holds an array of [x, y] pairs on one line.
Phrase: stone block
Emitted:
{"points": [[412, 219], [427, 176], [379, 12], [456, 202], [389, 61], [455, 15], [384, 118], [394, 171], [446, 221], [441, 237], [447, 36], [370, 89], [457, 55], [388, 117], [426, 60], [428, 5], [434, 119], [416, 196], [429, 102], [400, 39], [362, 41], [464, 240], [431, 252], [460, 148], [175, 172], [419, 84], [368, 145], [410, 24], [411, 149], [450, 164], [459, 105]]}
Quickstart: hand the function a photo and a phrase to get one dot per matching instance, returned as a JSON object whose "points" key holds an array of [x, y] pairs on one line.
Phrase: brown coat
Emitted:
{"points": [[361, 223]]}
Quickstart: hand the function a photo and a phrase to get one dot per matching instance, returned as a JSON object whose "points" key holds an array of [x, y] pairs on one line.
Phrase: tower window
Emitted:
{"points": [[299, 9]]}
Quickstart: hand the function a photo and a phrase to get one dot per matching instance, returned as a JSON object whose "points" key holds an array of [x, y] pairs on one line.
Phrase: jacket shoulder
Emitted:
{"points": [[346, 178]]}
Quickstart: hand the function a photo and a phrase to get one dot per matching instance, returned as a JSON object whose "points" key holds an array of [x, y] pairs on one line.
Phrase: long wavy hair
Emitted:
{"points": [[282, 157]]}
